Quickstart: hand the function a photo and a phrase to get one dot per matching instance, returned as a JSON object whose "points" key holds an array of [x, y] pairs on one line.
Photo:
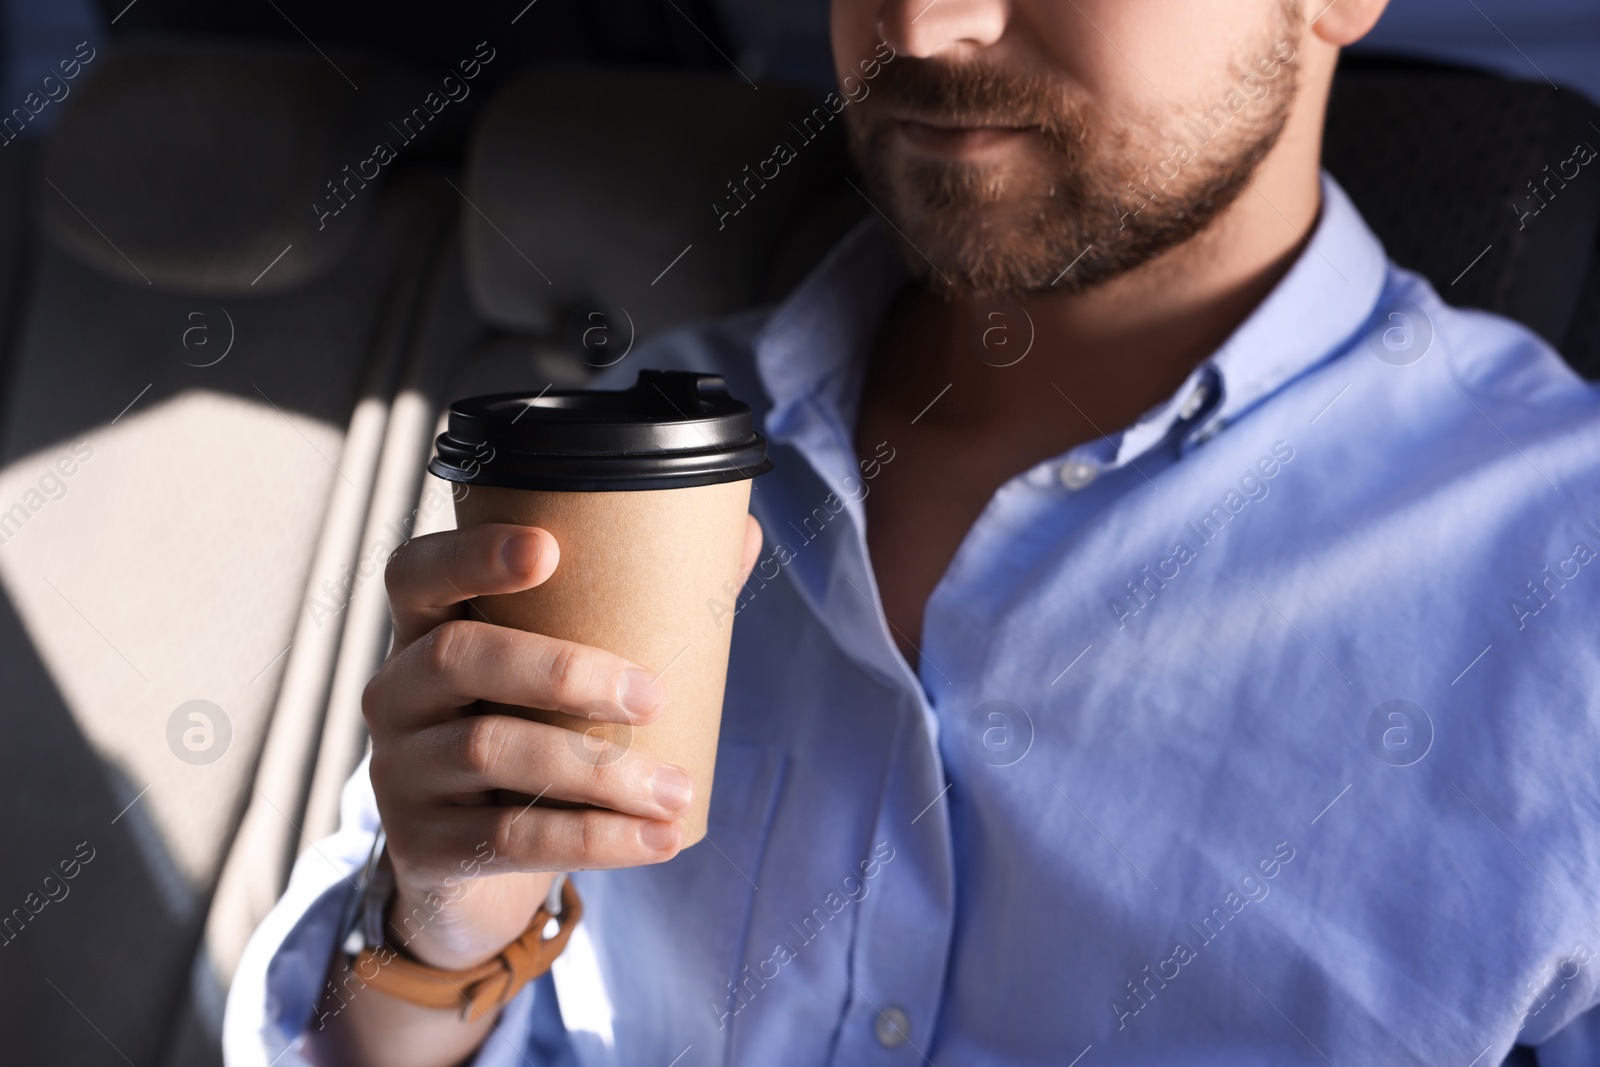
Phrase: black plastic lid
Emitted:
{"points": [[671, 430]]}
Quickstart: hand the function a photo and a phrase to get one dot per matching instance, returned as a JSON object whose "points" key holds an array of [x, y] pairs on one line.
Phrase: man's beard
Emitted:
{"points": [[1111, 195]]}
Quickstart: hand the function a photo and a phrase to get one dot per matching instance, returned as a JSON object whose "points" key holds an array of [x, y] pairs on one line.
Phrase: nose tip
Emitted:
{"points": [[924, 28]]}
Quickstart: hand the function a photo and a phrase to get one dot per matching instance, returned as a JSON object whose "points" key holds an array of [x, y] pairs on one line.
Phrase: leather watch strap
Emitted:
{"points": [[478, 989]]}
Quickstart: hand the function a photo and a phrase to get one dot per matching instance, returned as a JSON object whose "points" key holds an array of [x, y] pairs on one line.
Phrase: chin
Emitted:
{"points": [[993, 244], [979, 259]]}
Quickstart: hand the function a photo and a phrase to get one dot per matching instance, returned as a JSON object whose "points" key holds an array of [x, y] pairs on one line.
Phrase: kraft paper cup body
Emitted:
{"points": [[651, 576]]}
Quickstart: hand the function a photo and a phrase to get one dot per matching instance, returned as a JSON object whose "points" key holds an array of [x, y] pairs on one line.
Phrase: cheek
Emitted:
{"points": [[852, 31]]}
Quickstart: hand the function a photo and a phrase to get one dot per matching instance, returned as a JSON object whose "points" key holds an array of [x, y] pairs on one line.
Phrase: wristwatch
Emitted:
{"points": [[476, 990]]}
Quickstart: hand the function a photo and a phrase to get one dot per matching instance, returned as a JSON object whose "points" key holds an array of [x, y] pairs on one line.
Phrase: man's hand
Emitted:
{"points": [[470, 871]]}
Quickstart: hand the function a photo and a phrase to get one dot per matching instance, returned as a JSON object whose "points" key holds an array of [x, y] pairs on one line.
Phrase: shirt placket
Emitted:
{"points": [[905, 925]]}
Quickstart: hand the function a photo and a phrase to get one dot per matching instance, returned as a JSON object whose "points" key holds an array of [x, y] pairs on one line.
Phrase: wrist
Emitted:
{"points": [[478, 991], [466, 925]]}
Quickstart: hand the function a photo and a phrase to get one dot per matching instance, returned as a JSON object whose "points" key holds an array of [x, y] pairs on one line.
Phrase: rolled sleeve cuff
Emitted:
{"points": [[273, 1002], [284, 968]]}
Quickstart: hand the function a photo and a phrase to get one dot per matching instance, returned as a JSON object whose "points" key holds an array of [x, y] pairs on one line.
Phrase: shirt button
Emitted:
{"points": [[1076, 475], [892, 1028], [1195, 402]]}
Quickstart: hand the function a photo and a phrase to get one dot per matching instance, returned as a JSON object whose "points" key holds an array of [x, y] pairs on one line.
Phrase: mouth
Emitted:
{"points": [[958, 140]]}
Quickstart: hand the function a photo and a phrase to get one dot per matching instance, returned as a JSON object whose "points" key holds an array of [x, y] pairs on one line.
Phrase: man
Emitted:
{"points": [[1169, 642]]}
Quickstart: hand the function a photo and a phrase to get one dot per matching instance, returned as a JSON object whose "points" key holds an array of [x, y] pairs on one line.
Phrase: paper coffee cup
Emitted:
{"points": [[645, 490]]}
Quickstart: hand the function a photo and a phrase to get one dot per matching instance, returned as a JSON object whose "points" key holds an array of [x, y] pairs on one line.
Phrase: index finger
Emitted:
{"points": [[430, 578]]}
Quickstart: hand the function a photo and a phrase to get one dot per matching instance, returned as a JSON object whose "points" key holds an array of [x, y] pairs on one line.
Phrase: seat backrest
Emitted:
{"points": [[186, 453]]}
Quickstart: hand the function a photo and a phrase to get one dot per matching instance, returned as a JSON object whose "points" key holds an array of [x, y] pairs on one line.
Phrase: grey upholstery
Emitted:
{"points": [[206, 501], [591, 185], [203, 221]]}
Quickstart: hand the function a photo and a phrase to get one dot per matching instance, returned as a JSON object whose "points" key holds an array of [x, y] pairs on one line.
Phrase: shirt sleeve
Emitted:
{"points": [[273, 1002]]}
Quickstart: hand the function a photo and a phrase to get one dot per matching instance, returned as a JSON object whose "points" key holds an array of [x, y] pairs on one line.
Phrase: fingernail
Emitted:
{"points": [[659, 836], [641, 694], [671, 787], [520, 553]]}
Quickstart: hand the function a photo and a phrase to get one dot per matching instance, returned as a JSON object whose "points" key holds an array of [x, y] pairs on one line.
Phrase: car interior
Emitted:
{"points": [[259, 316]]}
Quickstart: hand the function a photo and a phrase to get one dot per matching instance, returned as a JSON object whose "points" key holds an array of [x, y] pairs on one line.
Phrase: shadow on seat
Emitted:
{"points": [[188, 418]]}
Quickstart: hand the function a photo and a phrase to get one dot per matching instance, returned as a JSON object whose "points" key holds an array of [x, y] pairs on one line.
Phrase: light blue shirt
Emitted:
{"points": [[1264, 731]]}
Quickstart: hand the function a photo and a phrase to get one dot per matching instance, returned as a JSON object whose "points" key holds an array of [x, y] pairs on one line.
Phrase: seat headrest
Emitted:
{"points": [[663, 195], [190, 166]]}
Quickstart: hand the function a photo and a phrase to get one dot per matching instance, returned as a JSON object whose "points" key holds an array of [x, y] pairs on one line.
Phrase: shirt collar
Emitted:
{"points": [[1324, 301], [813, 351]]}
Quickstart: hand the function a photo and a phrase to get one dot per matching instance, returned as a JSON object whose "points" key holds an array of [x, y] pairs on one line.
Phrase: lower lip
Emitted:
{"points": [[960, 140]]}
